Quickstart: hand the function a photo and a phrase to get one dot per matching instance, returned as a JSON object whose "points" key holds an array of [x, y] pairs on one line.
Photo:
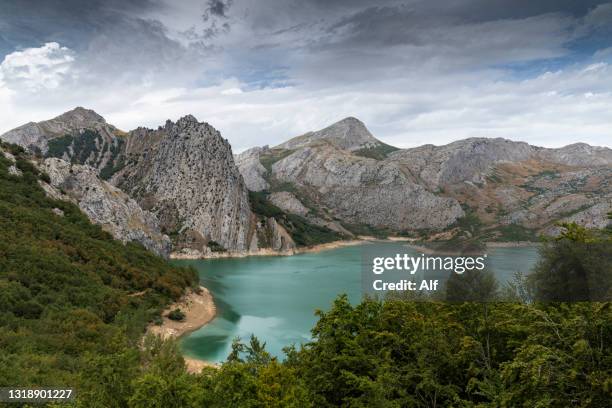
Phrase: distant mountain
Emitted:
{"points": [[508, 190], [349, 134], [80, 135]]}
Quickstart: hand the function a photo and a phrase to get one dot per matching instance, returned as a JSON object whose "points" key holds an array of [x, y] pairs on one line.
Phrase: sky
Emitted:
{"points": [[263, 71]]}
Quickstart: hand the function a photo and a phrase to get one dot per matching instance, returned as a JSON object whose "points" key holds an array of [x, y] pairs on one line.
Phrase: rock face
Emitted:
{"points": [[501, 181], [106, 205], [184, 172], [365, 191], [464, 160], [288, 203], [252, 170]]}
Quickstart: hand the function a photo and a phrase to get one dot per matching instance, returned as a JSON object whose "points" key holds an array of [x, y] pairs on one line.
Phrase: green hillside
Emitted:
{"points": [[66, 285]]}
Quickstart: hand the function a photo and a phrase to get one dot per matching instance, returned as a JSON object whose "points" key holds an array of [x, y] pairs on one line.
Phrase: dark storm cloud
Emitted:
{"points": [[215, 18], [27, 23], [216, 8]]}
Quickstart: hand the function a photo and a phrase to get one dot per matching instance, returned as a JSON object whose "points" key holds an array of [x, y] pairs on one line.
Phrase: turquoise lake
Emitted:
{"points": [[275, 297]]}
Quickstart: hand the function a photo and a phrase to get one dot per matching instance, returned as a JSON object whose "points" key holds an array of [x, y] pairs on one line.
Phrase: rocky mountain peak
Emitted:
{"points": [[35, 136], [80, 117], [185, 174], [348, 134], [188, 121]]}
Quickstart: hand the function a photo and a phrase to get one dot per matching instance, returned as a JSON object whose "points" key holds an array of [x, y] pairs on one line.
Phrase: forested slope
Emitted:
{"points": [[67, 289]]}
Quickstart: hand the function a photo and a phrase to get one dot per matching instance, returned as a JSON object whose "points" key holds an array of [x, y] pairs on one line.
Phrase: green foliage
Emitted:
{"points": [[66, 310], [515, 233], [306, 234], [176, 315], [262, 207], [379, 152], [472, 286], [301, 230], [215, 246], [366, 230], [58, 146], [576, 266], [65, 285], [115, 163], [272, 156], [84, 145]]}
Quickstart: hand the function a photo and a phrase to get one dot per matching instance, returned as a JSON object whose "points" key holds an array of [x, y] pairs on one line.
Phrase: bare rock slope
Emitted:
{"points": [[106, 205], [346, 174], [185, 173]]}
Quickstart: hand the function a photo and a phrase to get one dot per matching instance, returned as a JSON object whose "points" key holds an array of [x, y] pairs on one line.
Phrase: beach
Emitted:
{"points": [[199, 309]]}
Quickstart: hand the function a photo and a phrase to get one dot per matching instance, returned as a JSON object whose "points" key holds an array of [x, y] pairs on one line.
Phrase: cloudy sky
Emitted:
{"points": [[262, 71]]}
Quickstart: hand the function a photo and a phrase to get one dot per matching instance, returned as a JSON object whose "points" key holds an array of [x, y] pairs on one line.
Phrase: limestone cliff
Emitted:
{"points": [[106, 205], [184, 172]]}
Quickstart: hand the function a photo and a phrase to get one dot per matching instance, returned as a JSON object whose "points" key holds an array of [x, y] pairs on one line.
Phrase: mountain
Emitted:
{"points": [[181, 182], [80, 136], [178, 180], [349, 134], [185, 173], [511, 189]]}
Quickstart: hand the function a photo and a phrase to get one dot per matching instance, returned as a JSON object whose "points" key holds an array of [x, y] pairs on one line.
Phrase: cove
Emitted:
{"points": [[275, 297]]}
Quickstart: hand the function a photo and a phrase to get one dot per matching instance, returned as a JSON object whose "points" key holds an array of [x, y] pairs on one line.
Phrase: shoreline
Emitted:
{"points": [[488, 244], [196, 255], [199, 309], [271, 252]]}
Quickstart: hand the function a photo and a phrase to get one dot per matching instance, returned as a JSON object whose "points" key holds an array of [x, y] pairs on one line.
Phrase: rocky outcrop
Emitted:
{"points": [[365, 191], [289, 203], [105, 205], [278, 238], [579, 155], [253, 172], [457, 162], [184, 172], [348, 134]]}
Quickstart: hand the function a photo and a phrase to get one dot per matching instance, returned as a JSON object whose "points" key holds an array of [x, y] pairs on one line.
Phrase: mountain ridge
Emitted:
{"points": [[501, 181], [338, 179]]}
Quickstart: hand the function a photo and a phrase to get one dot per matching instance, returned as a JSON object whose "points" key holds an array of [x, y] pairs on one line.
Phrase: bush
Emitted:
{"points": [[176, 315]]}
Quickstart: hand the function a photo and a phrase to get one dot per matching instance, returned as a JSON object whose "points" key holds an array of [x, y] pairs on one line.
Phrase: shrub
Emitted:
{"points": [[176, 315]]}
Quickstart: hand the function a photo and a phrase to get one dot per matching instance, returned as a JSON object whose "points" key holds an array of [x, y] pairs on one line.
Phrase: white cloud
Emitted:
{"points": [[33, 69], [553, 109], [413, 81]]}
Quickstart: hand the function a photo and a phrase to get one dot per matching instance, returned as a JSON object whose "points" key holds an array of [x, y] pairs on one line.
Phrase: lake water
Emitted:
{"points": [[275, 297]]}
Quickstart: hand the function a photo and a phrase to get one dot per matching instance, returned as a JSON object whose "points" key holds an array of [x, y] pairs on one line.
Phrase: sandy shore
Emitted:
{"points": [[199, 309]]}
